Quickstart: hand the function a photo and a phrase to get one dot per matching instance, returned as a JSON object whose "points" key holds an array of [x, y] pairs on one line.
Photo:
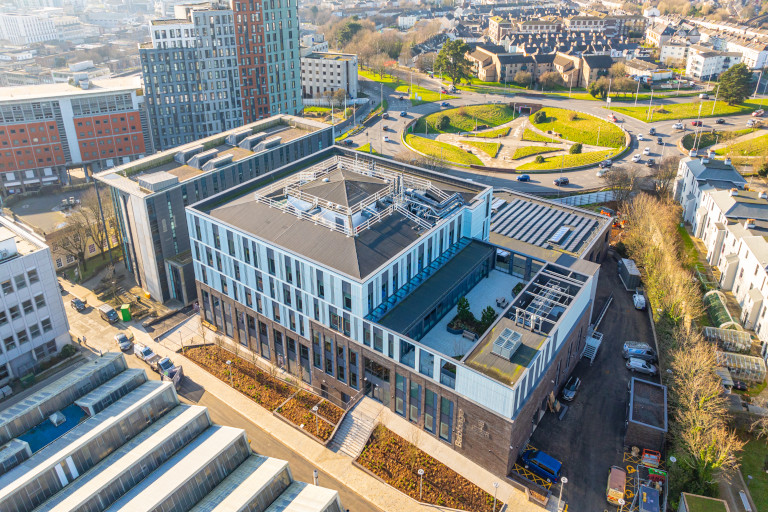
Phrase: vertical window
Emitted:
{"points": [[446, 419], [426, 363], [316, 349], [407, 354], [415, 402], [353, 370], [346, 292], [430, 410], [400, 383], [328, 355], [378, 340]]}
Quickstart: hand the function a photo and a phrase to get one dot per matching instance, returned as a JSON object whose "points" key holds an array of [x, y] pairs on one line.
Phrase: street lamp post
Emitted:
{"points": [[495, 490], [181, 340], [608, 96], [759, 77], [650, 104], [563, 481], [638, 92], [421, 479], [229, 365], [716, 93]]}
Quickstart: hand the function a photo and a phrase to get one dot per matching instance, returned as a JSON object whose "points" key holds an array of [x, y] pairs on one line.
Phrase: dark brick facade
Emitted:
{"points": [[481, 435]]}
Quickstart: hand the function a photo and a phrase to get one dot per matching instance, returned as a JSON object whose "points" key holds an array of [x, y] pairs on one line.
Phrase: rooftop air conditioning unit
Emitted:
{"points": [[734, 192], [750, 224]]}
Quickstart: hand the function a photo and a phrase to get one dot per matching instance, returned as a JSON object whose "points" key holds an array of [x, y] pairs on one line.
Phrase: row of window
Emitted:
{"points": [[22, 336], [21, 281], [14, 312], [408, 404]]}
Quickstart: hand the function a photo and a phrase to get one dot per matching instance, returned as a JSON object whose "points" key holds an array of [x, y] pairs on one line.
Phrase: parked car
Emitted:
{"points": [[143, 352], [386, 139], [739, 385], [640, 136], [570, 389], [124, 340], [385, 115], [652, 131], [77, 304], [697, 123], [606, 164], [636, 158], [638, 365], [703, 96], [403, 113], [108, 313], [617, 483], [646, 151], [523, 177], [750, 123], [659, 141], [561, 182], [638, 350], [348, 142], [650, 162], [445, 104], [758, 113], [541, 464], [720, 121], [638, 299], [678, 126]]}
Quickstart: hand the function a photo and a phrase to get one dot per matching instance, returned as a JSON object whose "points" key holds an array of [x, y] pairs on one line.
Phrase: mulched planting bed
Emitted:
{"points": [[396, 461], [268, 391], [298, 410]]}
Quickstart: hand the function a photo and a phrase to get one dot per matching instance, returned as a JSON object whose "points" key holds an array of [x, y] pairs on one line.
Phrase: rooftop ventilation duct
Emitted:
{"points": [[249, 142], [200, 159], [727, 161], [217, 162], [234, 138], [185, 154]]}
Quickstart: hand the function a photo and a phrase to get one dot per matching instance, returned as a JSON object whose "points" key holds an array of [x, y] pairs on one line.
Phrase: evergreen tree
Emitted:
{"points": [[735, 84], [452, 61]]}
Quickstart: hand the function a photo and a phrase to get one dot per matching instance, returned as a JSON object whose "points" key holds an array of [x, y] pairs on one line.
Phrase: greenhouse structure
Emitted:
{"points": [[741, 366], [729, 340]]}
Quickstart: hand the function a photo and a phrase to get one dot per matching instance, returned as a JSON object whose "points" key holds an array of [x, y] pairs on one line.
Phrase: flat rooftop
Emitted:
{"points": [[24, 241], [648, 404], [184, 162], [540, 228], [514, 342], [347, 211], [413, 307], [59, 90]]}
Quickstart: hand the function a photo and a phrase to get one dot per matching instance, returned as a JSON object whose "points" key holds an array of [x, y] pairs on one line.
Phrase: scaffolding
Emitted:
{"points": [[730, 340], [741, 366]]}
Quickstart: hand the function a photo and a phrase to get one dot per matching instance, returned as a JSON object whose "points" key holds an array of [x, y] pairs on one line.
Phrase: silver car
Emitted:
{"points": [[638, 365]]}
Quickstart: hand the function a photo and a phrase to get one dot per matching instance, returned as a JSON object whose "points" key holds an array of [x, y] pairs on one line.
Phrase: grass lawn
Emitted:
{"points": [[366, 148], [689, 250], [752, 147], [531, 150], [317, 109], [389, 81], [584, 128], [426, 95], [94, 264], [708, 138], [533, 136], [566, 161], [447, 152], [687, 110], [753, 463], [462, 119], [491, 134], [489, 148], [704, 504]]}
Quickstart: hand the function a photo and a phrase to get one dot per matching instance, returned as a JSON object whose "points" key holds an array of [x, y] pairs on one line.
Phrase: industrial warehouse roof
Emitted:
{"points": [[344, 215], [143, 450], [543, 228]]}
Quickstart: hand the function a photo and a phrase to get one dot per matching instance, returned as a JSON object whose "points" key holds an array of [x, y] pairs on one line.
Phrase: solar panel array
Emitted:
{"points": [[507, 343], [537, 224]]}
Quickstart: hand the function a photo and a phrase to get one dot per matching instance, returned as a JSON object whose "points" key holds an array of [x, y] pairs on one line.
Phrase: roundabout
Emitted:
{"points": [[495, 137]]}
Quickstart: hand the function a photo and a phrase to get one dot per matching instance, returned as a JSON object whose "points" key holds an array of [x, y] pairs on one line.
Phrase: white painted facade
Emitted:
{"points": [[707, 64], [328, 72], [27, 29], [33, 323]]}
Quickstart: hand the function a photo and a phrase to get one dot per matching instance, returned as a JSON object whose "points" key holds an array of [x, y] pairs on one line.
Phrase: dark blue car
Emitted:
{"points": [[523, 177], [541, 464]]}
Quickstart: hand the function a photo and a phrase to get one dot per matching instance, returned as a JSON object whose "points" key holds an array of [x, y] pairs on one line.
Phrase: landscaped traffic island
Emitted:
{"points": [[686, 110], [527, 151], [578, 127], [465, 119], [441, 150], [757, 146], [708, 138], [397, 462], [567, 161], [291, 403]]}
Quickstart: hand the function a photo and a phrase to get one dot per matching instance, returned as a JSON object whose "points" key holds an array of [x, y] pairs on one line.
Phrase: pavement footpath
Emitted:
{"points": [[337, 465]]}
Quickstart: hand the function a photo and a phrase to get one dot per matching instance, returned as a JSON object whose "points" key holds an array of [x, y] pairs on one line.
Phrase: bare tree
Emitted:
{"points": [[665, 175], [617, 70], [89, 208], [73, 240], [623, 182]]}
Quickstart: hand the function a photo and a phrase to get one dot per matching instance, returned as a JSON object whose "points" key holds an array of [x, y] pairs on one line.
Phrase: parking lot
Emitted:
{"points": [[589, 438]]}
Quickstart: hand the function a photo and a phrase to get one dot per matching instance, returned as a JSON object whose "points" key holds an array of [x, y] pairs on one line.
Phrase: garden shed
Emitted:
{"points": [[729, 340], [741, 366]]}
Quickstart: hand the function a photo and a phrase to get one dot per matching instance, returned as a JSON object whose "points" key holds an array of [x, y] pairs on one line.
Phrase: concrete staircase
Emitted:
{"points": [[356, 427]]}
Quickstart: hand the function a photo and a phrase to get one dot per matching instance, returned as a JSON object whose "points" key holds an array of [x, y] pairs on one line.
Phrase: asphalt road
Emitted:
{"points": [[585, 179], [100, 336]]}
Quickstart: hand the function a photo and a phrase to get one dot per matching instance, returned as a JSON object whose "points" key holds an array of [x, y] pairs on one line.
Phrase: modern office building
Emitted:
{"points": [[104, 437], [33, 324], [25, 29], [346, 269], [325, 73], [214, 68], [149, 195], [46, 129], [191, 75]]}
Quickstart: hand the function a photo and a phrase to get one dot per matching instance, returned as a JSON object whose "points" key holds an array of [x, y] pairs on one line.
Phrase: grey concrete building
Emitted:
{"points": [[150, 194], [191, 75], [104, 437], [33, 323]]}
